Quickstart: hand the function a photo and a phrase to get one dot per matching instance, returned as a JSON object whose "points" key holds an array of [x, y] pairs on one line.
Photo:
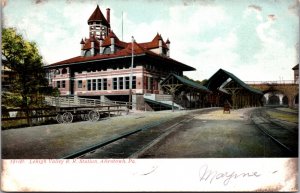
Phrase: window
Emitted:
{"points": [[89, 86], [145, 82], [58, 84], [150, 83], [64, 71], [104, 84], [99, 84], [79, 84], [107, 50], [134, 82], [127, 82], [94, 84], [121, 84], [63, 84], [115, 82], [87, 53]]}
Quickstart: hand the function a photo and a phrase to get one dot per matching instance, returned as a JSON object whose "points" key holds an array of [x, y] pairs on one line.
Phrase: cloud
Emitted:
{"points": [[41, 1], [266, 33], [272, 17], [207, 37], [294, 8], [200, 2], [274, 55], [255, 7]]}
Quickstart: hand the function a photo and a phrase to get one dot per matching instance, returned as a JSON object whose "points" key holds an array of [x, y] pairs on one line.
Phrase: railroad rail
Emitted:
{"points": [[282, 135]]}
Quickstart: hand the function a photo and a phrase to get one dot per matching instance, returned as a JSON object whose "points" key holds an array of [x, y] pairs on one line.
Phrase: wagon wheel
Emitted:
{"points": [[94, 115], [84, 117], [67, 117], [59, 118]]}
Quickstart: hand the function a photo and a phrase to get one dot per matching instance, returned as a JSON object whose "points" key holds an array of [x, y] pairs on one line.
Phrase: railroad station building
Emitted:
{"points": [[103, 68], [103, 71]]}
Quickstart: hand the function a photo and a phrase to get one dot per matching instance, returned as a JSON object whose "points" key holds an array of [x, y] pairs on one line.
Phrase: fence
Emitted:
{"points": [[17, 114], [272, 82], [77, 101]]}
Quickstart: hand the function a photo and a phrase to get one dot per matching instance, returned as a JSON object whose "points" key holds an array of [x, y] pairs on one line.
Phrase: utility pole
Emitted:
{"points": [[122, 25], [131, 72]]}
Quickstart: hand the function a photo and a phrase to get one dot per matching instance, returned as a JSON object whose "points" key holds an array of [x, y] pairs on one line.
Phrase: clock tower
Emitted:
{"points": [[99, 27]]}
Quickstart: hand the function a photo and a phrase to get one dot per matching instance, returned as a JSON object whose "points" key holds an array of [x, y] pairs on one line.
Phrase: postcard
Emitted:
{"points": [[179, 95]]}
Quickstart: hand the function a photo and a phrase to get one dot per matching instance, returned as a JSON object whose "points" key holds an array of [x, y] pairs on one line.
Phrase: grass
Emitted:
{"points": [[12, 124], [287, 110], [283, 116]]}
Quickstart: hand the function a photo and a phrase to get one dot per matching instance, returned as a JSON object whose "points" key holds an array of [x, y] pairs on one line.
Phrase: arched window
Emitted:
{"points": [[285, 100], [107, 50], [87, 53], [64, 71], [297, 99], [274, 100]]}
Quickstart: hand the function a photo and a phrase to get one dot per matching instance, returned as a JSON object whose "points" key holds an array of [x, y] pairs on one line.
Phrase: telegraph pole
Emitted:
{"points": [[131, 72]]}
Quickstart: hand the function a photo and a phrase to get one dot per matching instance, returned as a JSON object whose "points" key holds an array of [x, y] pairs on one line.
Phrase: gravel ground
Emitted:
{"points": [[56, 141], [215, 135]]}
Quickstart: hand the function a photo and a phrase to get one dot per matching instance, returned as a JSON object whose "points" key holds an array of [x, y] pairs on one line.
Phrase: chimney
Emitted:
{"points": [[160, 51], [168, 45], [82, 45], [92, 46], [101, 47], [112, 41], [108, 15]]}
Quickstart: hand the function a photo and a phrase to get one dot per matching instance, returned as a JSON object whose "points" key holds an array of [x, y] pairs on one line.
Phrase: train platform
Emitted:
{"points": [[58, 140]]}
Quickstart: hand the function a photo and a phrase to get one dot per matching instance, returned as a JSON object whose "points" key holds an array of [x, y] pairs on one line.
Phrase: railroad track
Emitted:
{"points": [[279, 132], [133, 143]]}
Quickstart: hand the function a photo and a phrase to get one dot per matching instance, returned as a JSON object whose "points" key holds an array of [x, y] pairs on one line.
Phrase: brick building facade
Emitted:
{"points": [[103, 69]]}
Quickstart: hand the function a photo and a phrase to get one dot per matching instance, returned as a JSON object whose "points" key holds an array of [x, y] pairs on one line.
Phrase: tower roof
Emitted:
{"points": [[154, 43], [107, 40], [98, 17], [296, 67]]}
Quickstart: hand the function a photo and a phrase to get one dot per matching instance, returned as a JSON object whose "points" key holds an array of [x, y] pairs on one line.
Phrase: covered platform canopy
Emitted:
{"points": [[226, 86], [187, 93]]}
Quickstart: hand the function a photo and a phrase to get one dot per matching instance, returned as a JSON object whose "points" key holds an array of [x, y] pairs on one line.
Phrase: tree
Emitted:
{"points": [[196, 81], [24, 59]]}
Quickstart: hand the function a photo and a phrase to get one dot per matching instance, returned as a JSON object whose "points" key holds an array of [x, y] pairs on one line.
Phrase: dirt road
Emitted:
{"points": [[215, 135]]}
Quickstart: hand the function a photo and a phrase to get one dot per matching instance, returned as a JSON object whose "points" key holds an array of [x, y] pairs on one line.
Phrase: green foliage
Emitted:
{"points": [[204, 81], [11, 99], [197, 81], [24, 59]]}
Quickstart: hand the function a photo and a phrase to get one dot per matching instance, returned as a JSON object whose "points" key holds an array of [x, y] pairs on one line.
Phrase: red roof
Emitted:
{"points": [[87, 43], [125, 49], [107, 41], [98, 16], [126, 52], [154, 43]]}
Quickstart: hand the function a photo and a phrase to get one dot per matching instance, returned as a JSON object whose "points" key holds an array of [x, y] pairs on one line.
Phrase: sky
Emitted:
{"points": [[255, 40]]}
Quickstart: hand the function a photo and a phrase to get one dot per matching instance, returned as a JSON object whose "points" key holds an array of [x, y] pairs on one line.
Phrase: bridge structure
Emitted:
{"points": [[283, 92]]}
